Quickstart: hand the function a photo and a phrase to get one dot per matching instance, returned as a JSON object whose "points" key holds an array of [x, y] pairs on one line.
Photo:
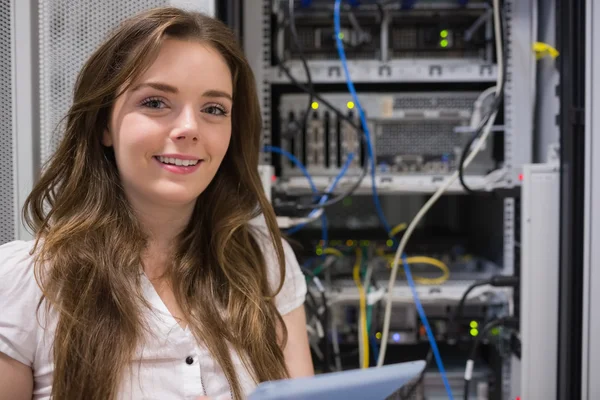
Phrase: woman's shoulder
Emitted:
{"points": [[293, 291], [16, 265], [19, 297]]}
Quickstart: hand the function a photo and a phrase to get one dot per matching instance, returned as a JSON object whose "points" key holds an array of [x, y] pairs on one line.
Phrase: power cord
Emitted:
{"points": [[325, 317], [484, 127], [509, 322], [495, 281]]}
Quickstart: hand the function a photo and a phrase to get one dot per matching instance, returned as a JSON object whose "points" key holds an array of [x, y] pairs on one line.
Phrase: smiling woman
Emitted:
{"points": [[154, 278]]}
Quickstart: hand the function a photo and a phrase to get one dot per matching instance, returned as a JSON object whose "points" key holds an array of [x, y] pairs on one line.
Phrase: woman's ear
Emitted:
{"points": [[107, 138]]}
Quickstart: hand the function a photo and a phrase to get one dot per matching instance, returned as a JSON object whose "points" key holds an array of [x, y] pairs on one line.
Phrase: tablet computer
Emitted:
{"points": [[359, 384]]}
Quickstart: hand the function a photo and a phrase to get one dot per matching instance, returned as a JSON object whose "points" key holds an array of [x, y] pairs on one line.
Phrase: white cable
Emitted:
{"points": [[478, 106], [336, 345], [478, 145]]}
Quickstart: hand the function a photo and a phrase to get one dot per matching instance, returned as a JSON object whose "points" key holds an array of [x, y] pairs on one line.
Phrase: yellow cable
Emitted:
{"points": [[424, 260], [333, 252], [542, 49], [363, 308], [397, 229]]}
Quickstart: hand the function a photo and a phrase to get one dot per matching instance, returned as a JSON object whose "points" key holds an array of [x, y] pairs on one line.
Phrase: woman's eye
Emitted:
{"points": [[215, 110], [153, 103]]}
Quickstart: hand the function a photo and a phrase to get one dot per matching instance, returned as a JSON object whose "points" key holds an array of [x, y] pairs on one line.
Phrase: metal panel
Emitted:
{"points": [[590, 384], [257, 38], [394, 71], [509, 236], [7, 137], [412, 133], [519, 94], [539, 280], [25, 112], [547, 102], [207, 7]]}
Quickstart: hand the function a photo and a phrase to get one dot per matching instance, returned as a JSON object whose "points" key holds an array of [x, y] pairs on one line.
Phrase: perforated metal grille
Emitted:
{"points": [[419, 137], [7, 222], [462, 102], [70, 30]]}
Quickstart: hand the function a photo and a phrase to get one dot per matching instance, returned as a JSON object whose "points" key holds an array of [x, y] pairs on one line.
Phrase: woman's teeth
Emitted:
{"points": [[177, 161]]}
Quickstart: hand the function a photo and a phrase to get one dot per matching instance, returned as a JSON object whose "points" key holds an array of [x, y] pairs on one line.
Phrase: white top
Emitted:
{"points": [[163, 372]]}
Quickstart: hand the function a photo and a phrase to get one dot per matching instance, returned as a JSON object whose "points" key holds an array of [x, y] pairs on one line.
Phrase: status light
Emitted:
{"points": [[444, 34], [378, 335], [389, 243], [474, 324], [474, 332], [314, 105], [350, 105], [444, 43], [349, 243], [319, 252], [341, 35]]}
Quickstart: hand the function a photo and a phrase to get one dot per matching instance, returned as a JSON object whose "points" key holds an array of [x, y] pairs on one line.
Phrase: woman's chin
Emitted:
{"points": [[179, 197]]}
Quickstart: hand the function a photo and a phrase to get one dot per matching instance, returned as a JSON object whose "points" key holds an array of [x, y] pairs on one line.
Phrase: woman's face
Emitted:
{"points": [[171, 129]]}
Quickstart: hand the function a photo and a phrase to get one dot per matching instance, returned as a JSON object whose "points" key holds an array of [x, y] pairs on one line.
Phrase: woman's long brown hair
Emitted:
{"points": [[89, 256]]}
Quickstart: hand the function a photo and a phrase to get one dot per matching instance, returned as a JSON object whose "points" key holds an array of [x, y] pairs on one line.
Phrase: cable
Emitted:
{"points": [[321, 100], [425, 322], [317, 212], [312, 94], [361, 113], [333, 252], [424, 260], [397, 229], [485, 126], [364, 336], [400, 251], [300, 50], [496, 281], [351, 89], [510, 322], [325, 322], [408, 233], [340, 115]]}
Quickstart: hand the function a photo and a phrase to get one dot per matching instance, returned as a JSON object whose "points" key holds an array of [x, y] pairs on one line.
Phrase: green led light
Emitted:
{"points": [[444, 43], [444, 34], [389, 243], [319, 252], [474, 324], [341, 35], [495, 331], [474, 332]]}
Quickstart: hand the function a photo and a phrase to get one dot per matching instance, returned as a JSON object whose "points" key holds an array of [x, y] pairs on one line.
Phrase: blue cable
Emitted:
{"points": [[374, 347], [326, 196], [305, 172], [323, 199], [361, 113], [430, 337], [411, 283]]}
